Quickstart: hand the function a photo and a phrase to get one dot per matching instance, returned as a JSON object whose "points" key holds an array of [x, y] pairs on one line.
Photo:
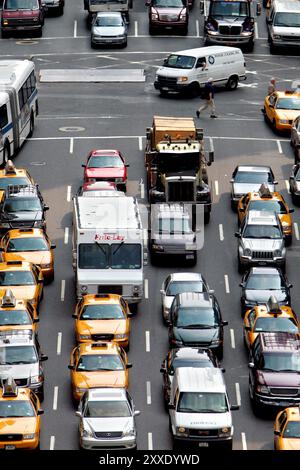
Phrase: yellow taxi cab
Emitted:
{"points": [[24, 279], [264, 200], [95, 365], [10, 175], [287, 429], [17, 314], [19, 417], [281, 108], [32, 245], [269, 318], [102, 317]]}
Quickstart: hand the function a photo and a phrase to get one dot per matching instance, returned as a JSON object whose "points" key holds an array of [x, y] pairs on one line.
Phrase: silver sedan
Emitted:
{"points": [[109, 29]]}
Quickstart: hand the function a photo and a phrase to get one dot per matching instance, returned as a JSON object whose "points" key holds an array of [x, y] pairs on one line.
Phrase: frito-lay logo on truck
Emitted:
{"points": [[112, 237]]}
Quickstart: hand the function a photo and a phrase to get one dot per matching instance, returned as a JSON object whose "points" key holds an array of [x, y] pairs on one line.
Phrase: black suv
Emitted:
{"points": [[22, 207], [196, 321], [274, 368], [56, 6]]}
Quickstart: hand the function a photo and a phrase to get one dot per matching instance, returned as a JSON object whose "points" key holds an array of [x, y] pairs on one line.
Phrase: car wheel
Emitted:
{"points": [[249, 47], [31, 129], [4, 34], [163, 93], [194, 90], [240, 266], [232, 83], [206, 217], [151, 30], [41, 394], [93, 45], [125, 44], [184, 31], [272, 47]]}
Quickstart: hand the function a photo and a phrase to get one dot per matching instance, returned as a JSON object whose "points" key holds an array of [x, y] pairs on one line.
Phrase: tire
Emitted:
{"points": [[125, 44], [272, 48], [163, 93], [93, 45], [232, 83], [249, 47], [151, 30], [60, 11], [194, 89], [184, 31], [39, 33], [6, 154], [4, 34], [206, 217], [41, 394], [240, 267], [220, 352], [31, 126]]}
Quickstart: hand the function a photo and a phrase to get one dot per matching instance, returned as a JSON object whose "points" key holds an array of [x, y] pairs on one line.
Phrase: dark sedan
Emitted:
{"points": [[295, 184]]}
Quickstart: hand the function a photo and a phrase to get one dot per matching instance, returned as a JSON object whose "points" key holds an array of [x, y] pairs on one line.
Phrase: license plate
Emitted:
{"points": [[165, 88], [262, 263], [10, 447], [189, 256], [203, 444]]}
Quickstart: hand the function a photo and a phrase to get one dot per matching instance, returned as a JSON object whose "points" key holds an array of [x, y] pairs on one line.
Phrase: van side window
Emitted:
{"points": [[201, 63], [3, 116]]}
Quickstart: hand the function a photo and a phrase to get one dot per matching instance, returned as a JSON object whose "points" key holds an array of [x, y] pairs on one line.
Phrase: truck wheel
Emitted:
{"points": [[31, 126], [39, 33], [206, 217], [232, 83]]}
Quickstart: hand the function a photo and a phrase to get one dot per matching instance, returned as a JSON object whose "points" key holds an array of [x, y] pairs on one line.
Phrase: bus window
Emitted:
{"points": [[3, 116]]}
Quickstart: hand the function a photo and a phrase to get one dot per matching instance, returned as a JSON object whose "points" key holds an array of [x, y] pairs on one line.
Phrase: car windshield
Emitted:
{"points": [[16, 180], [262, 231], [235, 9], [115, 256], [105, 161], [32, 204], [27, 244], [288, 103], [281, 362], [107, 409], [190, 362], [93, 362], [287, 19], [126, 256], [102, 312], [198, 317], [16, 409], [265, 282], [17, 278], [21, 5], [168, 3], [109, 21], [15, 317], [180, 61], [273, 324], [18, 355], [269, 206], [292, 430], [172, 226], [192, 402], [255, 177], [93, 256], [178, 287]]}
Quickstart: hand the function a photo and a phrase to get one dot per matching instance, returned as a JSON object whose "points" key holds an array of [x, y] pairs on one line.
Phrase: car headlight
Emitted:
{"points": [[157, 247], [121, 336], [283, 121], [246, 33], [247, 252], [225, 432], [276, 36], [182, 16], [45, 266], [29, 436], [38, 223], [80, 390], [262, 389], [83, 288], [5, 22], [5, 225], [277, 253], [215, 342], [34, 379], [191, 246], [154, 16], [85, 336], [181, 431], [182, 79], [87, 433], [129, 432], [212, 33]]}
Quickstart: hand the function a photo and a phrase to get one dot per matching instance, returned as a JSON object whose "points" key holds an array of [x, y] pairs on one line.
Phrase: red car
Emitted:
{"points": [[106, 165]]}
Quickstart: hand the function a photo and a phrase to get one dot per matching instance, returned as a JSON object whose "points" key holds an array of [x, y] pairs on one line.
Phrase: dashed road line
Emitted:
{"points": [[136, 29], [52, 442], [238, 394], [59, 340], [62, 290], [140, 143], [66, 236], [197, 28], [226, 284], [221, 233], [150, 441], [244, 442], [69, 189], [148, 389], [232, 338], [71, 145], [145, 236], [287, 184], [146, 288], [296, 230], [55, 398], [279, 146], [75, 29], [147, 336], [216, 187], [142, 189], [256, 30]]}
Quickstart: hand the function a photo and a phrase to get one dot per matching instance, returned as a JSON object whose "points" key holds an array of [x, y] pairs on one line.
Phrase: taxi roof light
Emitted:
{"points": [[14, 263], [273, 306], [102, 296], [264, 192], [10, 168], [8, 299], [99, 345], [10, 388]]}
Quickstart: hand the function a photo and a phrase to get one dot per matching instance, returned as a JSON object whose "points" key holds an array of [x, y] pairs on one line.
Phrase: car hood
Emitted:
{"points": [[289, 114], [244, 188], [171, 72], [109, 424], [19, 371], [229, 20], [101, 379], [32, 215], [102, 326], [279, 379], [177, 240], [290, 444], [36, 257], [196, 335], [17, 425], [108, 31], [204, 420], [168, 11], [262, 244], [262, 296], [114, 172], [287, 31]]}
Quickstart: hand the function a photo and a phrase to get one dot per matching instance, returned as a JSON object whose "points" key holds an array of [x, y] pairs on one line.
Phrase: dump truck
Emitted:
{"points": [[176, 164]]}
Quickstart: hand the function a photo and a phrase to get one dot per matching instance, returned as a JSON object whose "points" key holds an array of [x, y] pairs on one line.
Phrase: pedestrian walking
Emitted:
{"points": [[208, 95], [271, 86]]}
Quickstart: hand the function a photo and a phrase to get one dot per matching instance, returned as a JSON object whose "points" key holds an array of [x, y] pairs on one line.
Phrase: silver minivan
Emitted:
{"points": [[284, 24]]}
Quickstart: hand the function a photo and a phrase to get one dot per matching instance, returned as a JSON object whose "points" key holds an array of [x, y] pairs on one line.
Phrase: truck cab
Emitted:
{"points": [[95, 6], [22, 15]]}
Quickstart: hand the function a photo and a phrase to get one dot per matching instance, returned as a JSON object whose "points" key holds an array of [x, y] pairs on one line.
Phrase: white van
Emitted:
{"points": [[284, 24], [189, 70]]}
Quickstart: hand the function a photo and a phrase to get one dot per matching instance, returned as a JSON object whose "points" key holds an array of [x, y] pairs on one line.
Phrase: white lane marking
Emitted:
{"points": [[69, 188], [211, 144], [244, 442], [238, 394], [71, 145], [150, 441], [52, 442], [59, 339], [55, 398], [146, 288], [140, 143], [66, 237], [197, 28], [232, 339], [296, 230], [145, 236], [62, 290], [226, 284], [217, 187], [75, 28], [148, 388], [287, 184], [147, 335], [142, 188], [221, 233], [279, 146], [256, 30], [136, 29]]}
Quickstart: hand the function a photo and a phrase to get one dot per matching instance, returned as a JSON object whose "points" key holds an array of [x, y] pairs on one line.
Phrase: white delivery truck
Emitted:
{"points": [[108, 248]]}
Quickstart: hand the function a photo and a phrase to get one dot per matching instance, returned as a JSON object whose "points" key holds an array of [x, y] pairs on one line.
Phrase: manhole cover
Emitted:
{"points": [[38, 163], [72, 129], [25, 42]]}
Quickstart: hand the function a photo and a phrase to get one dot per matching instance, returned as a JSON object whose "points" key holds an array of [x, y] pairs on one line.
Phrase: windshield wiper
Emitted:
{"points": [[117, 249], [199, 325], [100, 247]]}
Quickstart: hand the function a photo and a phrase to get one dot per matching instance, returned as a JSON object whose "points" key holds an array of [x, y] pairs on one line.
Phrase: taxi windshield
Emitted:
{"points": [[180, 61], [292, 430], [288, 103], [95, 362], [14, 180], [14, 317], [32, 204], [178, 287], [16, 409], [273, 324], [265, 282], [269, 205], [107, 409], [105, 161], [102, 312], [18, 355], [27, 244], [16, 278], [271, 232]]}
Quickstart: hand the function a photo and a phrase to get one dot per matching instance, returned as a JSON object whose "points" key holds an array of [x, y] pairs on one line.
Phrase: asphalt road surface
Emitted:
{"points": [[75, 118]]}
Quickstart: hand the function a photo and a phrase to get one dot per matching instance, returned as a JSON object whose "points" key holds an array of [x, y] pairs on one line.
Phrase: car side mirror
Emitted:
{"points": [[129, 365], [83, 165], [242, 284], [275, 182], [224, 323], [234, 407], [165, 61], [277, 433], [163, 370], [162, 291], [35, 320], [291, 210], [130, 314], [40, 412], [251, 365], [223, 369], [171, 406], [211, 291], [53, 246], [40, 280], [271, 106], [137, 413], [241, 209], [78, 413], [74, 316], [46, 208], [71, 367], [127, 165], [290, 286], [237, 235], [44, 357]]}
